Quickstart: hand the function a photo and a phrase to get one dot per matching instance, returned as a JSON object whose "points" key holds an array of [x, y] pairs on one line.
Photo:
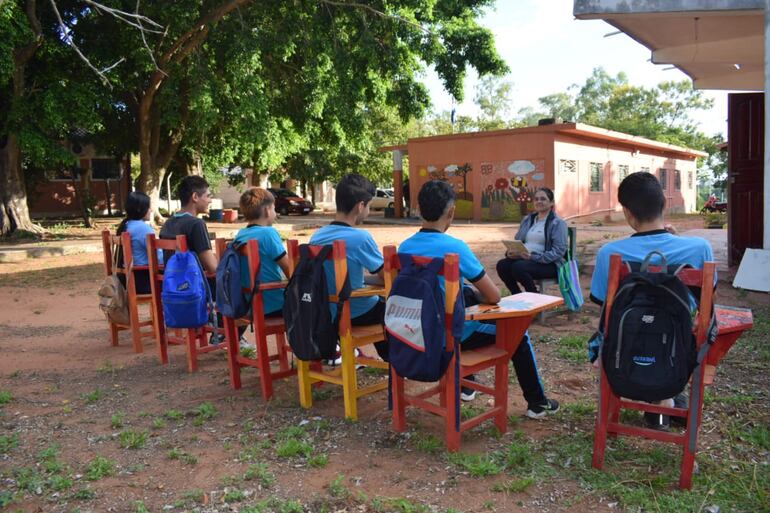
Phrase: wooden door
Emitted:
{"points": [[746, 139]]}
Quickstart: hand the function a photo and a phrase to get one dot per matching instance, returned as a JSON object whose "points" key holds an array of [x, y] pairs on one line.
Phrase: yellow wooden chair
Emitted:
{"points": [[351, 337]]}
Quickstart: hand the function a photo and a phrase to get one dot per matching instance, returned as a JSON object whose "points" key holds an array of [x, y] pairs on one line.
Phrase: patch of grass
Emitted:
{"points": [[518, 455], [759, 436], [6, 498], [108, 368], [131, 439], [322, 394], [174, 415], [184, 457], [60, 483], [233, 496], [428, 443], [572, 348], [337, 488], [295, 432], [318, 461], [578, 411], [514, 485], [401, 505], [116, 421], [99, 467], [195, 496], [158, 423], [139, 507], [47, 459], [93, 397], [5, 397], [203, 413], [28, 479], [84, 494], [293, 447], [261, 473], [249, 352], [468, 411], [477, 465]]}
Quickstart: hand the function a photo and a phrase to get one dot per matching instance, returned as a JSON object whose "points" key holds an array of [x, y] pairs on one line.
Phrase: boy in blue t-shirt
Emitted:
{"points": [[437, 206], [258, 207], [353, 195], [642, 198]]}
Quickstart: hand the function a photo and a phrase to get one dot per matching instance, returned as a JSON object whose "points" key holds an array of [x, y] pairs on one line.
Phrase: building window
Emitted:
{"points": [[677, 180], [644, 169], [596, 177], [105, 169], [663, 177], [622, 172], [568, 166]]}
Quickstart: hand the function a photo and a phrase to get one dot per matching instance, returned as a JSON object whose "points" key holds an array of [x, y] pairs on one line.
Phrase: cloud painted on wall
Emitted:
{"points": [[521, 167], [538, 176]]}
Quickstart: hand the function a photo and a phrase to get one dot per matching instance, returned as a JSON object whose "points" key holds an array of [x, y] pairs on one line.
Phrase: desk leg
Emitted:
{"points": [[510, 331]]}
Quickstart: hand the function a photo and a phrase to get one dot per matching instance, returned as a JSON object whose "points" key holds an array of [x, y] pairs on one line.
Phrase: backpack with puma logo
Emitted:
{"points": [[649, 349], [311, 329]]}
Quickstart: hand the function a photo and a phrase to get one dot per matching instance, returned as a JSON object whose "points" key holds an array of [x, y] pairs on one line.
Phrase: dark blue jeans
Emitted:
{"points": [[513, 271]]}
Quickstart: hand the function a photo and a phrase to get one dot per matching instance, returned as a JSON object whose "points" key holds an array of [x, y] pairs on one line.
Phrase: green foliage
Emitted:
{"points": [[204, 412], [572, 348], [318, 461], [293, 447], [514, 485], [116, 421], [233, 496], [260, 472], [337, 488], [99, 468], [477, 465], [185, 457], [5, 397], [131, 439], [174, 415], [8, 442], [92, 397], [139, 507]]}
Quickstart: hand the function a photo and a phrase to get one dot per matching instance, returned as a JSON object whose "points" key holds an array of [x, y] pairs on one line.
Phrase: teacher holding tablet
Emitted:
{"points": [[543, 235]]}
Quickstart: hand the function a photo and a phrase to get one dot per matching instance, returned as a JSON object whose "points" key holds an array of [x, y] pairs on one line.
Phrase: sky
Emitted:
{"points": [[547, 50]]}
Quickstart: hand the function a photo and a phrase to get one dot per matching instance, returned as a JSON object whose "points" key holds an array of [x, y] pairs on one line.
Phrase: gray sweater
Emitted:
{"points": [[555, 238]]}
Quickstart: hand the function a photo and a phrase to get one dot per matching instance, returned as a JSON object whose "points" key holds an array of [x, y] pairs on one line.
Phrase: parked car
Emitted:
{"points": [[287, 202], [382, 199]]}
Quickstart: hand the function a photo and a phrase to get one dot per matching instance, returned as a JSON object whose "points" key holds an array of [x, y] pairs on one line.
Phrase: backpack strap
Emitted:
{"points": [[648, 258], [250, 294], [209, 296]]}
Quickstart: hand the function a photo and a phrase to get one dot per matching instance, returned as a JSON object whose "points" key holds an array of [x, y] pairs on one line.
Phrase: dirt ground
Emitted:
{"points": [[90, 427]]}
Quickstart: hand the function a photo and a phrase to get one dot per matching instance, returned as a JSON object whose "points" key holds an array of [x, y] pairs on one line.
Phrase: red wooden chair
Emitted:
{"points": [[195, 339], [351, 337], [113, 243], [608, 412], [263, 327], [471, 362]]}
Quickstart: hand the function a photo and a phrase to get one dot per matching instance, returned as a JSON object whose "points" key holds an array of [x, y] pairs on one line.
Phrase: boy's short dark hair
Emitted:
{"points": [[352, 189], [642, 195], [188, 186], [434, 199]]}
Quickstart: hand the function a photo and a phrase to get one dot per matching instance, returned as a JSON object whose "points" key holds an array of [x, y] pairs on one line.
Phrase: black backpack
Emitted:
{"points": [[310, 328], [649, 349], [232, 301]]}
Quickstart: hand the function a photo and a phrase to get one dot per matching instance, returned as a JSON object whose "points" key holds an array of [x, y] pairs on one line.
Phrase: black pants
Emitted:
{"points": [[376, 315], [518, 270], [141, 281], [523, 363]]}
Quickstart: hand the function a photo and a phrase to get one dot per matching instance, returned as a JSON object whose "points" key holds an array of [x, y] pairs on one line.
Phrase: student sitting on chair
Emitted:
{"points": [[544, 234], [437, 207], [136, 223], [353, 195], [258, 207], [643, 202]]}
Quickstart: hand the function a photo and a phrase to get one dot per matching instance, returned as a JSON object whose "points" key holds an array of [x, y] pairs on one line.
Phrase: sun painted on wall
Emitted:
{"points": [[508, 188]]}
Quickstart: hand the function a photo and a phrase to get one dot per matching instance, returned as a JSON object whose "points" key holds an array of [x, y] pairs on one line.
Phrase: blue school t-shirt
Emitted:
{"points": [[677, 249], [270, 251], [362, 253], [139, 230], [435, 244]]}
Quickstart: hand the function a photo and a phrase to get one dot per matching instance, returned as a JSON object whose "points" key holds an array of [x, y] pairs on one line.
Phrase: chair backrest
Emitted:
{"points": [[338, 255], [450, 271], [699, 279], [572, 235], [121, 243], [153, 245]]}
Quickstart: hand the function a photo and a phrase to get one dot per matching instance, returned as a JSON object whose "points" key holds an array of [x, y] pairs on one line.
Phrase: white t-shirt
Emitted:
{"points": [[536, 237]]}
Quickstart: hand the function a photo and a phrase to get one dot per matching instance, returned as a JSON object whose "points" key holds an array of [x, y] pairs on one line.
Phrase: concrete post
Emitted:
{"points": [[398, 181], [766, 188]]}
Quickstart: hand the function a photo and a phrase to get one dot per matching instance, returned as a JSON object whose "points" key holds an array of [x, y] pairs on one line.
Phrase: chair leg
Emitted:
{"points": [[501, 395], [349, 384], [192, 350], [688, 456], [283, 354], [263, 361], [231, 336], [452, 433], [399, 405], [614, 411], [303, 379], [159, 328], [602, 416], [114, 333], [136, 334]]}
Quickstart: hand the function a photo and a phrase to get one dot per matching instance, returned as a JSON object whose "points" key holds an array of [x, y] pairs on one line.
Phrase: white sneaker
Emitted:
{"points": [[245, 344]]}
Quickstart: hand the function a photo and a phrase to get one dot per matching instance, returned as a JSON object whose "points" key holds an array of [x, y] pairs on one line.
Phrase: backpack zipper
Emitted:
{"points": [[620, 337]]}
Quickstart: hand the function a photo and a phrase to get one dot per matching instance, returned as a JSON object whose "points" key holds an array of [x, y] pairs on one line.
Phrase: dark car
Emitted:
{"points": [[287, 202]]}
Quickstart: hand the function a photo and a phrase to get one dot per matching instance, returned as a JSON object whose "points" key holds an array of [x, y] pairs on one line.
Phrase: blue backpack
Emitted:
{"points": [[415, 321], [232, 301], [186, 295]]}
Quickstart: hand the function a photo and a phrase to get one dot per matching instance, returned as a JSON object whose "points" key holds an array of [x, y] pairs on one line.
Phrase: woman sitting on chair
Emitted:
{"points": [[136, 223], [544, 235]]}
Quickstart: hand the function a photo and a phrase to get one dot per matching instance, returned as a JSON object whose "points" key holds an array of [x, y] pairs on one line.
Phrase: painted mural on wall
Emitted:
{"points": [[457, 175], [508, 188]]}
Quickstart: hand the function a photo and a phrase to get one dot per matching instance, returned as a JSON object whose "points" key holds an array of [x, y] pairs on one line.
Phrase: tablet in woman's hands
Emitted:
{"points": [[516, 246]]}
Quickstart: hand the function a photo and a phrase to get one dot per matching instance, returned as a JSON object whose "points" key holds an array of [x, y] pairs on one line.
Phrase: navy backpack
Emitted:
{"points": [[232, 300], [415, 321], [186, 295]]}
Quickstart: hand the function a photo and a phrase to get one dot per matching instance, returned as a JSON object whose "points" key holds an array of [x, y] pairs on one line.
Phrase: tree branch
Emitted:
{"points": [[376, 12]]}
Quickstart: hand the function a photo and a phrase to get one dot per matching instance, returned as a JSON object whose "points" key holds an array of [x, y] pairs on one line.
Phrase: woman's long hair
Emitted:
{"points": [[137, 205]]}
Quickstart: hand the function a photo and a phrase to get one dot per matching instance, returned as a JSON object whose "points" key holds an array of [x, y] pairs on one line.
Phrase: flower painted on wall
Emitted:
{"points": [[501, 183]]}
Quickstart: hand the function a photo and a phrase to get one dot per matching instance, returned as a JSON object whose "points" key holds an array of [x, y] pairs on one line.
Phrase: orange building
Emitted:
{"points": [[495, 173]]}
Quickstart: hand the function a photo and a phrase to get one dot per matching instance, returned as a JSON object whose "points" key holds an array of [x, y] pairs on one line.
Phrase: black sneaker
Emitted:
{"points": [[216, 339], [467, 393], [538, 411], [656, 421]]}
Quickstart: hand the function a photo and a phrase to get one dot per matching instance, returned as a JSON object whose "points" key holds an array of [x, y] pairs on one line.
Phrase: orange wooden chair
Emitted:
{"points": [[122, 243], [195, 339], [470, 362], [263, 327], [608, 412], [351, 337]]}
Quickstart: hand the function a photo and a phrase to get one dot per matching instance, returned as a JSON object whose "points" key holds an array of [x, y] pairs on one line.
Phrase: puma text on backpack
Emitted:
{"points": [[113, 300], [186, 296], [648, 353], [232, 301], [415, 321], [310, 328]]}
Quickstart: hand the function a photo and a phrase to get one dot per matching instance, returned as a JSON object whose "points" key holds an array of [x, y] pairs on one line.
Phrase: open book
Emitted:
{"points": [[516, 245]]}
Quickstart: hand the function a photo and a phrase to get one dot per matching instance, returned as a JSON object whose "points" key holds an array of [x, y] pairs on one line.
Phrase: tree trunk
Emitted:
{"points": [[14, 213], [86, 199]]}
